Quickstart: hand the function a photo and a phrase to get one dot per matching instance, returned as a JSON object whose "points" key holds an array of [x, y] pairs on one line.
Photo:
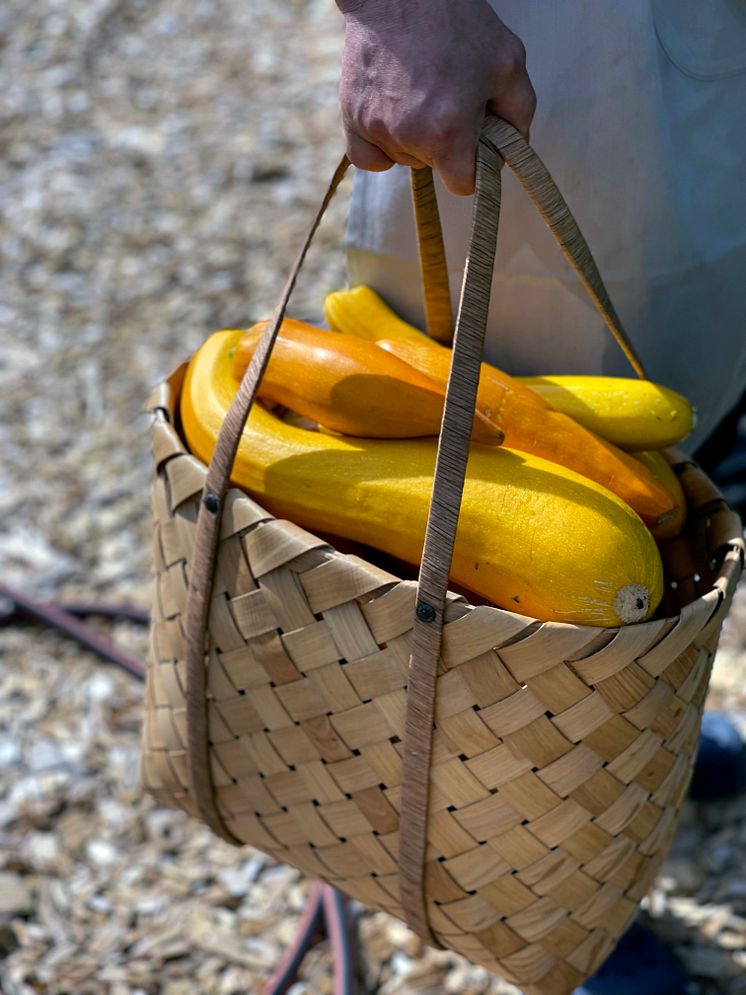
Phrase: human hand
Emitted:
{"points": [[417, 77]]}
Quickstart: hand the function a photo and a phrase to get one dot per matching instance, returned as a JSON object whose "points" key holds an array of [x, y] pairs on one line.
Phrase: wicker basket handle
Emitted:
{"points": [[498, 140], [436, 291]]}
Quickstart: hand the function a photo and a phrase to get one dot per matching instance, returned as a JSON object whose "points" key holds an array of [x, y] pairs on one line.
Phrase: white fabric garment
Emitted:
{"points": [[641, 119]]}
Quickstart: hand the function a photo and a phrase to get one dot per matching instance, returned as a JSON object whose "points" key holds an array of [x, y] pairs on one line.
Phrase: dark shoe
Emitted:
{"points": [[640, 965]]}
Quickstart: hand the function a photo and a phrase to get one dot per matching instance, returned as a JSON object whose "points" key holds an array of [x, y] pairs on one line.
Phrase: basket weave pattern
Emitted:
{"points": [[561, 753]]}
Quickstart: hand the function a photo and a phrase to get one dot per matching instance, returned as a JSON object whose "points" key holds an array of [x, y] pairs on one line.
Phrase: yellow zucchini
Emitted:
{"points": [[533, 537], [633, 414], [360, 311], [349, 385], [531, 426]]}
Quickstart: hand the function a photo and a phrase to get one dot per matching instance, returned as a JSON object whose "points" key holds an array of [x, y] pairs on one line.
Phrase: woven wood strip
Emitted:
{"points": [[433, 267]]}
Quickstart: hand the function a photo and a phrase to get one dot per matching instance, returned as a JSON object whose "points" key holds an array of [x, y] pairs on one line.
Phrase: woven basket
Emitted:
{"points": [[509, 787]]}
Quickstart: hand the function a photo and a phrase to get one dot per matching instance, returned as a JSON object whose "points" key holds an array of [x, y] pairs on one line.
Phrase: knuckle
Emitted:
{"points": [[426, 129], [347, 109], [407, 141], [444, 127], [358, 117], [403, 130]]}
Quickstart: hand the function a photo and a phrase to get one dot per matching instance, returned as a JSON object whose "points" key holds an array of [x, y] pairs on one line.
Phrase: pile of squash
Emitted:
{"points": [[566, 496]]}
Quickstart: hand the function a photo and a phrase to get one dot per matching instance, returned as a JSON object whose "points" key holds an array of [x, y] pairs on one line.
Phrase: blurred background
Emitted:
{"points": [[161, 160]]}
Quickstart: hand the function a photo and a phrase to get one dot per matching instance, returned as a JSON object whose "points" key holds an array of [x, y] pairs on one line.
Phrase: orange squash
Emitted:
{"points": [[348, 385]]}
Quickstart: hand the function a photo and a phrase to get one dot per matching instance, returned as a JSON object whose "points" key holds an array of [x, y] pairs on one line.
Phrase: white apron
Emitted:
{"points": [[641, 119]]}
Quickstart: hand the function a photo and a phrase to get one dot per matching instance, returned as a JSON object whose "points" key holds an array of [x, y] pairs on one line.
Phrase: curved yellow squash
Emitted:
{"points": [[349, 385], [633, 414], [533, 537]]}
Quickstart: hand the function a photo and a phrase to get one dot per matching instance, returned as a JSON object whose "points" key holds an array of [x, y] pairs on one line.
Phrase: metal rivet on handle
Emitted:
{"points": [[425, 612], [211, 502]]}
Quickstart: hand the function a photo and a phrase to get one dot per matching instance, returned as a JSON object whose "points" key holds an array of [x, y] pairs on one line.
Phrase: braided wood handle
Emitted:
{"points": [[448, 483]]}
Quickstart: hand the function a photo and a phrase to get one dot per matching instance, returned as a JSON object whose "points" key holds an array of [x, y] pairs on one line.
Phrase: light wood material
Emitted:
{"points": [[555, 786], [433, 267], [558, 755]]}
